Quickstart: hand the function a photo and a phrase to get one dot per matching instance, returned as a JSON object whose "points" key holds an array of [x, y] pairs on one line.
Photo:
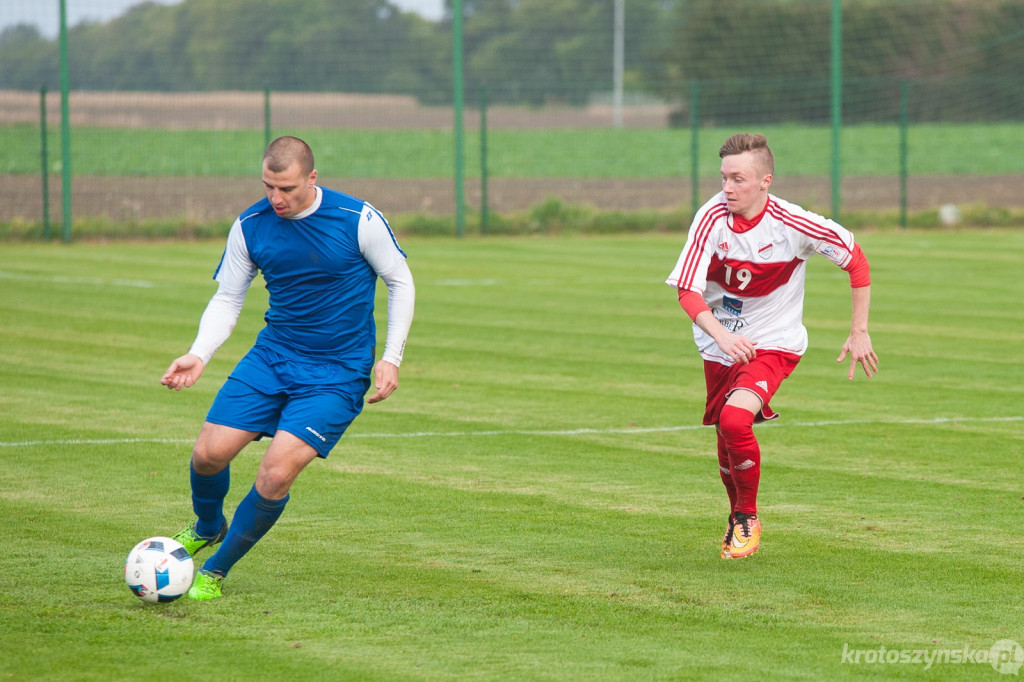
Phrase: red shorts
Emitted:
{"points": [[762, 375]]}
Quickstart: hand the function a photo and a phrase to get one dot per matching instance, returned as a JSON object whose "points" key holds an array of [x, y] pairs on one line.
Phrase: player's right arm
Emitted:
{"points": [[691, 269], [736, 346], [689, 277], [234, 274]]}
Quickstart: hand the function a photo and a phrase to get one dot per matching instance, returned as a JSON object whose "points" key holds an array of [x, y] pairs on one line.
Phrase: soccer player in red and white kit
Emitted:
{"points": [[740, 278]]}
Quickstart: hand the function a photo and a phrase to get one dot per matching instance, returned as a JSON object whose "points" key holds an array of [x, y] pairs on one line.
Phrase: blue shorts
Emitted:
{"points": [[268, 392]]}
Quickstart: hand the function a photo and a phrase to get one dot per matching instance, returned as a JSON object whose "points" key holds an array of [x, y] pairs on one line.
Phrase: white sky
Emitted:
{"points": [[45, 13]]}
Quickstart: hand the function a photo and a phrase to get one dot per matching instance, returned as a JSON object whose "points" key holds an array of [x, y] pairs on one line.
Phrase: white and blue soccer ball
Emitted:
{"points": [[158, 569]]}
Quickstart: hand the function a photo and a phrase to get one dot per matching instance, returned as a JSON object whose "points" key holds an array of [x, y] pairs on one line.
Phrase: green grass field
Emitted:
{"points": [[868, 150], [536, 502]]}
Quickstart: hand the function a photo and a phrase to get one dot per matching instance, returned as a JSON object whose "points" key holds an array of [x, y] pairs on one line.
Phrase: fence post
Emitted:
{"points": [[65, 121], [618, 60], [837, 104], [484, 211], [457, 96], [44, 153], [904, 149], [266, 116], [695, 143]]}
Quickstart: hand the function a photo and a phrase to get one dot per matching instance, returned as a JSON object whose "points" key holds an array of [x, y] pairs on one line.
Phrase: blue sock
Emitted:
{"points": [[254, 516], [208, 493]]}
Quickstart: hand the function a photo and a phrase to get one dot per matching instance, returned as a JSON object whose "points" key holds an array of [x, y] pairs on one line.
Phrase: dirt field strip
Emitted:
{"points": [[200, 200]]}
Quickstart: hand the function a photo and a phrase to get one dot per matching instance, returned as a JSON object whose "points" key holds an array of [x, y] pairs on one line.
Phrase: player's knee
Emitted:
{"points": [[735, 423], [201, 463], [273, 483], [206, 461]]}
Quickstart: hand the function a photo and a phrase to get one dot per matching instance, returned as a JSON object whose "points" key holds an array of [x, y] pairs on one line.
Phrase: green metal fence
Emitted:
{"points": [[545, 119]]}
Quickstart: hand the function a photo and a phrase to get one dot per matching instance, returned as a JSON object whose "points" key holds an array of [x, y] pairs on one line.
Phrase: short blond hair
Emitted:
{"points": [[286, 150], [756, 143]]}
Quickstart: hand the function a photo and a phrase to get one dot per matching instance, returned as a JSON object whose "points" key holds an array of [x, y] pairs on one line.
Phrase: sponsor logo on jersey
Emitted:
{"points": [[724, 246], [733, 324], [764, 250], [732, 305], [833, 254]]}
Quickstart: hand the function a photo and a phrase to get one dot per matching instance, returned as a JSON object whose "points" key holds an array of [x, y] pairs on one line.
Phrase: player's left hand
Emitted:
{"points": [[858, 345], [385, 380]]}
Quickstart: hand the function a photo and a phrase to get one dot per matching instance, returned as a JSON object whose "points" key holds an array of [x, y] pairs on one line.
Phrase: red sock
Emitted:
{"points": [[724, 471], [737, 428]]}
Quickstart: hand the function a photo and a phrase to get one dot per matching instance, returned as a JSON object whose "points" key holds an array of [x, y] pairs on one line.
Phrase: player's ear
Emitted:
{"points": [[766, 181], [312, 177]]}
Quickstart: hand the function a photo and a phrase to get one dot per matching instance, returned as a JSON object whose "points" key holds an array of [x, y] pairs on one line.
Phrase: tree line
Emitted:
{"points": [[767, 56]]}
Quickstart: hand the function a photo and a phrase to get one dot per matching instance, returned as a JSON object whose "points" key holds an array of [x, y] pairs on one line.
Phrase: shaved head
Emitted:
{"points": [[286, 150]]}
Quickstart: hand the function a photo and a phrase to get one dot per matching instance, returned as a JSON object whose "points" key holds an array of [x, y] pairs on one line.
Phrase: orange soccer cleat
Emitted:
{"points": [[728, 537], [746, 535]]}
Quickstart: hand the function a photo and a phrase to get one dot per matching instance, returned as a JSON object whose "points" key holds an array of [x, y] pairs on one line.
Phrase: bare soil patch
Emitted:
{"points": [[202, 200]]}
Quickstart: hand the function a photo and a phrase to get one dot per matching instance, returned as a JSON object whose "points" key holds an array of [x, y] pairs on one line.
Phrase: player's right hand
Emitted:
{"points": [[739, 348], [183, 372]]}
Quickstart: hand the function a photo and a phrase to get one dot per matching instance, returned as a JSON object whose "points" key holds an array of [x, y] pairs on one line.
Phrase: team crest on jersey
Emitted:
{"points": [[764, 250], [732, 305]]}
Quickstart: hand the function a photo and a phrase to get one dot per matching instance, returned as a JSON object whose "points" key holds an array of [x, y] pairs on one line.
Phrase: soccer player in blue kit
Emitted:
{"points": [[303, 381]]}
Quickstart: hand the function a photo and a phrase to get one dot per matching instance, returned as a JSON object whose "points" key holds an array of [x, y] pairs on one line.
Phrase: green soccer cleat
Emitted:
{"points": [[193, 542], [206, 586]]}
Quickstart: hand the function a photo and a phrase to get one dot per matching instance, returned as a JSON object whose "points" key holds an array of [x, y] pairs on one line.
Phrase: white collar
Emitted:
{"points": [[312, 207]]}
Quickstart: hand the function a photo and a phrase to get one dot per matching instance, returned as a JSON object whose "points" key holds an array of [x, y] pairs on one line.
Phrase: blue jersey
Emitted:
{"points": [[320, 283]]}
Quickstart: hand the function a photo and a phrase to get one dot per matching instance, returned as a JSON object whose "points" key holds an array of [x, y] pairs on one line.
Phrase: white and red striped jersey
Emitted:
{"points": [[752, 275]]}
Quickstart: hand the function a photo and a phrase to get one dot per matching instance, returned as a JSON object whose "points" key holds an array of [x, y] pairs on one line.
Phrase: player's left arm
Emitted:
{"points": [[858, 343], [401, 305], [380, 249]]}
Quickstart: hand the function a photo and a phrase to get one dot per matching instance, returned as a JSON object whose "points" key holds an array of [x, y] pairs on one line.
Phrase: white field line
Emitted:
{"points": [[566, 432], [61, 279]]}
